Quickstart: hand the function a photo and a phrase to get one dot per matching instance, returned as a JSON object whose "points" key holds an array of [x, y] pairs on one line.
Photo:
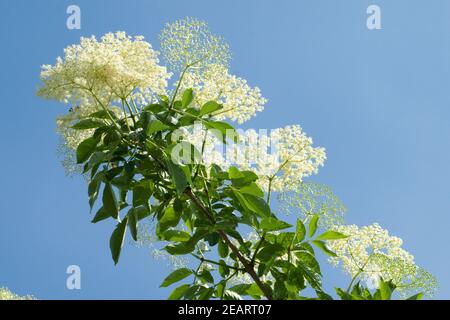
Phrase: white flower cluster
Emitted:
{"points": [[6, 294], [101, 72], [240, 101], [188, 42], [370, 252], [281, 158], [310, 199]]}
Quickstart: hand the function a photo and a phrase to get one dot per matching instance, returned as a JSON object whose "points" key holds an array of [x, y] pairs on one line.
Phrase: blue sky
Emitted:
{"points": [[379, 101]]}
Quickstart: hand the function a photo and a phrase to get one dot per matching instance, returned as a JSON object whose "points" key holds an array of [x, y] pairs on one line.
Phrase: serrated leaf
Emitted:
{"points": [[322, 246], [273, 224], [178, 177], [418, 296], [209, 107], [331, 235], [156, 126], [223, 249], [171, 218], [133, 223], [313, 225], [110, 202], [93, 190], [252, 189], [101, 215], [222, 130], [253, 203], [117, 240], [176, 276], [85, 149], [180, 248], [187, 98], [300, 231], [179, 292], [176, 236], [88, 124]]}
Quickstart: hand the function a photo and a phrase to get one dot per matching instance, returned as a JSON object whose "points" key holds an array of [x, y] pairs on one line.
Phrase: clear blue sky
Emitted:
{"points": [[379, 101]]}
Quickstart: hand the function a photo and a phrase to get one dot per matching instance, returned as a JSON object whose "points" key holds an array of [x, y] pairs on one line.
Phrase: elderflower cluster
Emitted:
{"points": [[106, 71], [189, 43], [240, 101], [310, 199], [370, 253], [281, 158], [6, 294]]}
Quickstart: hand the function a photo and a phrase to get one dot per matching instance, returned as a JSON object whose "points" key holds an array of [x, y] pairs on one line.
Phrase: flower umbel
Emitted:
{"points": [[370, 252], [309, 199], [188, 42], [6, 294], [281, 159], [240, 101], [102, 72]]}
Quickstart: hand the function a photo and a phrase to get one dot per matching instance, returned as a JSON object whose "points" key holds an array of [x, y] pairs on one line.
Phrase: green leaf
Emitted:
{"points": [[133, 223], [117, 240], [241, 178], [176, 276], [102, 114], [142, 212], [176, 236], [252, 189], [101, 215], [187, 98], [310, 268], [313, 225], [386, 289], [180, 248], [322, 246], [178, 177], [85, 149], [253, 203], [300, 231], [93, 189], [255, 291], [206, 294], [171, 218], [270, 251], [209, 107], [343, 295], [206, 276], [418, 296], [179, 292], [223, 269], [231, 295], [141, 195], [223, 249], [331, 235], [156, 126], [109, 201], [273, 224], [221, 130], [88, 124]]}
